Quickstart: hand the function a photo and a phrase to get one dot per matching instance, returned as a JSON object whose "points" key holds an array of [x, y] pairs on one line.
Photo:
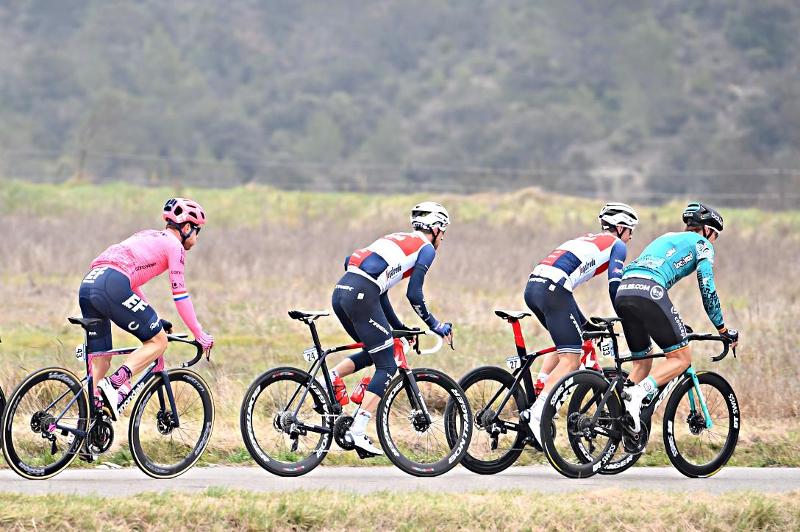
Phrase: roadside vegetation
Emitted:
{"points": [[266, 251]]}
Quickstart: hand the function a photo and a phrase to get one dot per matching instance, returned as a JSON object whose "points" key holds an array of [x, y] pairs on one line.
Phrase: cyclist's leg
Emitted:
{"points": [[563, 317], [360, 360], [638, 340], [99, 335], [671, 338], [136, 316], [549, 361]]}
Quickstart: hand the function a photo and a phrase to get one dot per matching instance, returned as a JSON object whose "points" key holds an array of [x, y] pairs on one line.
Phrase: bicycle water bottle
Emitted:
{"points": [[358, 394]]}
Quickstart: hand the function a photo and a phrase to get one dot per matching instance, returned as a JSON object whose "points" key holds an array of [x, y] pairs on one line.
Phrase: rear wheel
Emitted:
{"points": [[586, 448], [594, 425], [694, 448], [413, 428], [39, 423], [498, 438], [281, 442], [165, 443]]}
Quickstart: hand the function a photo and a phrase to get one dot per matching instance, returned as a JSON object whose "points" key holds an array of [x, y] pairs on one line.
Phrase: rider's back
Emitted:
{"points": [[671, 257], [143, 255]]}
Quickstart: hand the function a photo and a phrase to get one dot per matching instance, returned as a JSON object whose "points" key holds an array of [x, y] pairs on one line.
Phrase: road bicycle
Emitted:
{"points": [[290, 417], [701, 419], [52, 416], [499, 400]]}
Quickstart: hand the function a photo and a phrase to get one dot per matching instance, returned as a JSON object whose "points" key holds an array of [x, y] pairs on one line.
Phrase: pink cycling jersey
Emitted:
{"points": [[145, 255]]}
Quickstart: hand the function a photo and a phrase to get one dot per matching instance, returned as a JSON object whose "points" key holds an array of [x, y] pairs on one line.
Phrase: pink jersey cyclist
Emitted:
{"points": [[111, 291], [148, 254]]}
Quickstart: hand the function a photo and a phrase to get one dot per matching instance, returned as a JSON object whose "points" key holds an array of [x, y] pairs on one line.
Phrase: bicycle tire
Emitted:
{"points": [[401, 434], [475, 459], [162, 450], [255, 431], [2, 411], [725, 405], [25, 449], [622, 460], [556, 437]]}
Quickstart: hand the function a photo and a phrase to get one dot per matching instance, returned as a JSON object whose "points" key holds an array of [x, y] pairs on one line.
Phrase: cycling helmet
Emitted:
{"points": [[698, 214], [429, 214], [181, 210], [616, 214]]}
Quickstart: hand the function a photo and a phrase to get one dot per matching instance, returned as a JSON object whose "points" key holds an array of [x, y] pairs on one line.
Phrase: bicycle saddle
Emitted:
{"points": [[511, 314], [307, 315], [84, 322]]}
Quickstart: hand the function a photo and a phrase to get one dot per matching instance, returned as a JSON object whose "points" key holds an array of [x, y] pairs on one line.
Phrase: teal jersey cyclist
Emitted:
{"points": [[643, 303]]}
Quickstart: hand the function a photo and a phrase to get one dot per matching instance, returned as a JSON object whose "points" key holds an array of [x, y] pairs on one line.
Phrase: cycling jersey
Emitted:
{"points": [[671, 257], [576, 261], [392, 258], [147, 254]]}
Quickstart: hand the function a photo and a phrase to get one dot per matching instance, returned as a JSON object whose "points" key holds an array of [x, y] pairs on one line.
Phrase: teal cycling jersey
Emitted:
{"points": [[671, 257]]}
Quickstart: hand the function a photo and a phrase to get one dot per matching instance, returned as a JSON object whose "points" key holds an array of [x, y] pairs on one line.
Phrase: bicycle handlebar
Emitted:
{"points": [[415, 333], [708, 337], [184, 339]]}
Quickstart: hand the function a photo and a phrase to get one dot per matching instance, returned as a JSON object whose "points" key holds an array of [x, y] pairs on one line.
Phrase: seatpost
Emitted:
{"points": [[315, 336], [518, 339]]}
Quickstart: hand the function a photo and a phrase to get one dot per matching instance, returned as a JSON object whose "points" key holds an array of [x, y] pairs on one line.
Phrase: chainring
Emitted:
{"points": [[340, 428]]}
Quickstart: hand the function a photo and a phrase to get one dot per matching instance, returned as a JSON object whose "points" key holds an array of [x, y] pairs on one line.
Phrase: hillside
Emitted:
{"points": [[645, 99]]}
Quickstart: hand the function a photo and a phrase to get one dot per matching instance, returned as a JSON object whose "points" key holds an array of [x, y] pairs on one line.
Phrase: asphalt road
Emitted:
{"points": [[124, 482]]}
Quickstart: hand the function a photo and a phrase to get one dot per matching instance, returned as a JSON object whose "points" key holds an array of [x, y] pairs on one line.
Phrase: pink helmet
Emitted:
{"points": [[182, 210]]}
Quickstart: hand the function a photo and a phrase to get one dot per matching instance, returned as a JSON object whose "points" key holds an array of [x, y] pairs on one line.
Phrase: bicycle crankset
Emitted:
{"points": [[100, 437], [340, 428]]}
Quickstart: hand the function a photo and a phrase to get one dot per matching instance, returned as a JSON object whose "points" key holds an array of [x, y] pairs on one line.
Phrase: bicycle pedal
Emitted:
{"points": [[364, 454]]}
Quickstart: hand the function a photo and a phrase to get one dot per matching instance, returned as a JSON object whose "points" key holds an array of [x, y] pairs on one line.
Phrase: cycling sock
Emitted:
{"points": [[333, 374], [121, 376], [360, 423], [543, 377], [649, 386]]}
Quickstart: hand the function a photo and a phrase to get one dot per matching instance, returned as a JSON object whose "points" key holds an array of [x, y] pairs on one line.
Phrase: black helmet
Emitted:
{"points": [[697, 214]]}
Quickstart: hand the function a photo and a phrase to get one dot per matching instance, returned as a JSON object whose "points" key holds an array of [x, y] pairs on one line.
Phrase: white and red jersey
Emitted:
{"points": [[389, 259], [578, 260]]}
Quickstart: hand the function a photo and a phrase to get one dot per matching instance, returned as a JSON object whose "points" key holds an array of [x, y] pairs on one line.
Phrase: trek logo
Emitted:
{"points": [[394, 271], [92, 276], [589, 265], [684, 261], [344, 287], [378, 326], [134, 303]]}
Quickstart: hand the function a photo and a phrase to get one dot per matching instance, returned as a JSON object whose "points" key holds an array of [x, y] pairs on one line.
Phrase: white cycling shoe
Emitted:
{"points": [[633, 404], [535, 421], [363, 442], [111, 397]]}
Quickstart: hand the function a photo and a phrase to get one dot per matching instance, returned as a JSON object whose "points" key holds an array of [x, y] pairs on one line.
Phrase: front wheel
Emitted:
{"points": [[695, 448], [41, 422], [287, 422], [415, 415], [594, 424], [165, 442]]}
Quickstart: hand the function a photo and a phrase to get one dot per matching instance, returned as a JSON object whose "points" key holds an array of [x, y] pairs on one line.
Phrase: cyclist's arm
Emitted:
{"points": [[179, 293], [705, 278], [414, 292], [388, 311], [615, 264]]}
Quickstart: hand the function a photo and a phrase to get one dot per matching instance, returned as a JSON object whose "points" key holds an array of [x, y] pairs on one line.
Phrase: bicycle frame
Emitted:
{"points": [[663, 391]]}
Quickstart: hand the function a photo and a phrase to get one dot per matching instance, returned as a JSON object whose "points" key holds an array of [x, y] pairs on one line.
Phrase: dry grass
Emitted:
{"points": [[265, 252], [219, 509]]}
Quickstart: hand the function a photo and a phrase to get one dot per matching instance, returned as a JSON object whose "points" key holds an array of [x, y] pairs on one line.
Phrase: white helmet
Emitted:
{"points": [[429, 214], [614, 214]]}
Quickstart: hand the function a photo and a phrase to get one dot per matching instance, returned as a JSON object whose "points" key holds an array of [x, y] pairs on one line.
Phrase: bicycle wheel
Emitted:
{"points": [[694, 449], [559, 432], [281, 442], [163, 445], [496, 441], [34, 448], [415, 443], [585, 449], [2, 410]]}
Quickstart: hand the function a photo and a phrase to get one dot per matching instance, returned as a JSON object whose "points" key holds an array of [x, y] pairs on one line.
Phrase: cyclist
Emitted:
{"points": [[551, 284], [111, 291], [646, 311], [361, 302]]}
